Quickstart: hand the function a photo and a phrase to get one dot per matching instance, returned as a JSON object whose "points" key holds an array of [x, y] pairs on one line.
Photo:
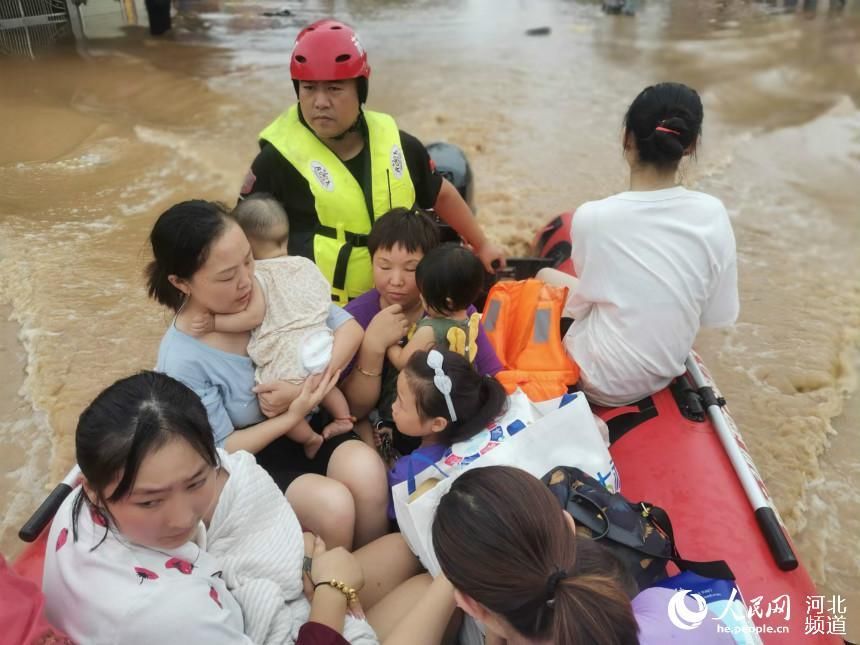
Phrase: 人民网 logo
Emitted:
{"points": [[682, 616]]}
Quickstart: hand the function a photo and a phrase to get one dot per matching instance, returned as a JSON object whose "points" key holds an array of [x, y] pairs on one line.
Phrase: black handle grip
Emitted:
{"points": [[45, 513], [776, 540]]}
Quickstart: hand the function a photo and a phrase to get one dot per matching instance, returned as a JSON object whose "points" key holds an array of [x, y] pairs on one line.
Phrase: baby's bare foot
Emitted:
{"points": [[313, 445], [338, 426]]}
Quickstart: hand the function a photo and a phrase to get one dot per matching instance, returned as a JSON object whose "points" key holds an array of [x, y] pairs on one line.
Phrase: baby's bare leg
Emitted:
{"points": [[335, 403], [302, 432]]}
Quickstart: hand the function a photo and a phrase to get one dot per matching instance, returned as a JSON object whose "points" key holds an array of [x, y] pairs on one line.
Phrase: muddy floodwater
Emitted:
{"points": [[97, 140]]}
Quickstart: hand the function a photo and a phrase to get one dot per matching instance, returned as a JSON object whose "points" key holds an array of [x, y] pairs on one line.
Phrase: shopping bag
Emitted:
{"points": [[526, 437], [716, 600]]}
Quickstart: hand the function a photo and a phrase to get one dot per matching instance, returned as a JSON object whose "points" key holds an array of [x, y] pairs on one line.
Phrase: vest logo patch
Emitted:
{"points": [[397, 161], [322, 175]]}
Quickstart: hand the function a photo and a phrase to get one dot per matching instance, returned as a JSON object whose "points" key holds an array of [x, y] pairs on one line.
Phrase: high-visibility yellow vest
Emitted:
{"points": [[340, 242]]}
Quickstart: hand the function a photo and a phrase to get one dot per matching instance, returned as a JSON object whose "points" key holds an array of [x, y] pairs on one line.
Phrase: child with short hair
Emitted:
{"points": [[441, 400], [449, 277], [286, 315]]}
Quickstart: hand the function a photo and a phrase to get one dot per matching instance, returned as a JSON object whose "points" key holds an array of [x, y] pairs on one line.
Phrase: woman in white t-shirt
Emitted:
{"points": [[653, 264]]}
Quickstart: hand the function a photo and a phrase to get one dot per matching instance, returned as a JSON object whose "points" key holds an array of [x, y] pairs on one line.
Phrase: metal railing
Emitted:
{"points": [[28, 26]]}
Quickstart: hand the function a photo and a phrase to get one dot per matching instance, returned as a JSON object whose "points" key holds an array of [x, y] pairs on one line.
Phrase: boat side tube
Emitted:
{"points": [[766, 517]]}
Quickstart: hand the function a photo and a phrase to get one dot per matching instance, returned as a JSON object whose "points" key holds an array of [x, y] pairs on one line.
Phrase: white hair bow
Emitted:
{"points": [[441, 380]]}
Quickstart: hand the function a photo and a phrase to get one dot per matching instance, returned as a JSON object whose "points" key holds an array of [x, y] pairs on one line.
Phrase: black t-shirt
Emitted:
{"points": [[272, 173]]}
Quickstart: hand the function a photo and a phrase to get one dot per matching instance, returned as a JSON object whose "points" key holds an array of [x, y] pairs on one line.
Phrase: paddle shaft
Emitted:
{"points": [[768, 522], [48, 508]]}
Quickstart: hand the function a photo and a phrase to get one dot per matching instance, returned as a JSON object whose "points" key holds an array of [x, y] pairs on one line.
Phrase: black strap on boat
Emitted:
{"points": [[709, 398], [688, 399], [624, 423], [719, 569]]}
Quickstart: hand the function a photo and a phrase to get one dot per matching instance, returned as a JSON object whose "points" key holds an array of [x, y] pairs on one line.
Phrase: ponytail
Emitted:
{"points": [[501, 539], [592, 608], [158, 287], [491, 401], [477, 399], [665, 121]]}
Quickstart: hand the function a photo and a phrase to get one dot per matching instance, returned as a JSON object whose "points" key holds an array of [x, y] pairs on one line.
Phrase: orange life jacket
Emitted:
{"points": [[522, 321]]}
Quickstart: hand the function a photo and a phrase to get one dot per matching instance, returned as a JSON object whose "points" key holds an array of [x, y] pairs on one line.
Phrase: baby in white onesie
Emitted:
{"points": [[286, 315]]}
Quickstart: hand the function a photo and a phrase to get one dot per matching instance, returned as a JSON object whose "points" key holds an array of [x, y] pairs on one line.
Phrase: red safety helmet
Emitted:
{"points": [[329, 50]]}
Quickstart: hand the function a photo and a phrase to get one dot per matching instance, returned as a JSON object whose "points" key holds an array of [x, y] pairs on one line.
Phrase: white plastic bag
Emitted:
{"points": [[559, 433]]}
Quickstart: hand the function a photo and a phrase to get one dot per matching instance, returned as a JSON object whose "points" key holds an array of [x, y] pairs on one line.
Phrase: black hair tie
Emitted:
{"points": [[551, 583]]}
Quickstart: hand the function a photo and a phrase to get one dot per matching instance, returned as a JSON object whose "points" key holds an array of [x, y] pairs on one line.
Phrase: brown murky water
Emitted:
{"points": [[96, 143]]}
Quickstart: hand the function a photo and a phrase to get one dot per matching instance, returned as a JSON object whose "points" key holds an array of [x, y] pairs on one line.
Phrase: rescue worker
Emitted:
{"points": [[335, 167]]}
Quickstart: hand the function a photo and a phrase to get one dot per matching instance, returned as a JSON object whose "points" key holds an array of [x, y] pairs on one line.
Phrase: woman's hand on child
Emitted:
{"points": [[387, 328], [274, 397], [314, 389], [202, 324]]}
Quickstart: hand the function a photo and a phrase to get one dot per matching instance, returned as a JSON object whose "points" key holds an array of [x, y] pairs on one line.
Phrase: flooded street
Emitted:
{"points": [[97, 143]]}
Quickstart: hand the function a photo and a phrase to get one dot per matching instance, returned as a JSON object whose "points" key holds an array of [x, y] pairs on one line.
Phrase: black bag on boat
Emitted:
{"points": [[639, 534]]}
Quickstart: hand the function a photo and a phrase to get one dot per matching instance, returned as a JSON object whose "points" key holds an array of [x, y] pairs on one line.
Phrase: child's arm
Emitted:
{"points": [[246, 320], [347, 340], [422, 339]]}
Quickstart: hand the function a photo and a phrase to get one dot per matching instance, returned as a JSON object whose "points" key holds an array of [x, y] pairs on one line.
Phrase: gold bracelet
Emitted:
{"points": [[366, 373], [350, 593]]}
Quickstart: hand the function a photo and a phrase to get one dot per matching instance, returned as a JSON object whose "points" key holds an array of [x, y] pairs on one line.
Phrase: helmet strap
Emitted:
{"points": [[357, 126]]}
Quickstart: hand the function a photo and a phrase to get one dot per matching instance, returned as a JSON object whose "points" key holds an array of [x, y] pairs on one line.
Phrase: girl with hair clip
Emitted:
{"points": [[441, 400], [654, 263], [518, 567]]}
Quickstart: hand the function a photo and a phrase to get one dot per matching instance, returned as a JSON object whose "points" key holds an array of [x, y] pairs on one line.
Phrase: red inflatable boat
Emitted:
{"points": [[669, 453]]}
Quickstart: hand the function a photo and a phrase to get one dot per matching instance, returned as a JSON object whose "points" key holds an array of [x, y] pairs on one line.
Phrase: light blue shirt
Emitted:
{"points": [[222, 380]]}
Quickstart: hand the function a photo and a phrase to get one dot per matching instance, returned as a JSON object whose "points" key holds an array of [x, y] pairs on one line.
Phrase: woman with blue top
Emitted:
{"points": [[203, 264]]}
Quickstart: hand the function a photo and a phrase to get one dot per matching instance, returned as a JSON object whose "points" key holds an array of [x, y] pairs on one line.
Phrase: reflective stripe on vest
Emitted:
{"points": [[340, 245]]}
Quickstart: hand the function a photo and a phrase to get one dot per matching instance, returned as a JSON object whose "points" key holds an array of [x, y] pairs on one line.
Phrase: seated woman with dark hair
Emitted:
{"points": [[169, 540], [654, 263], [202, 264], [519, 568], [398, 242]]}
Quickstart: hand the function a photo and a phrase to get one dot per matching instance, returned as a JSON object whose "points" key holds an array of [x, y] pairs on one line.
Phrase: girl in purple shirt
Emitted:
{"points": [[440, 400]]}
